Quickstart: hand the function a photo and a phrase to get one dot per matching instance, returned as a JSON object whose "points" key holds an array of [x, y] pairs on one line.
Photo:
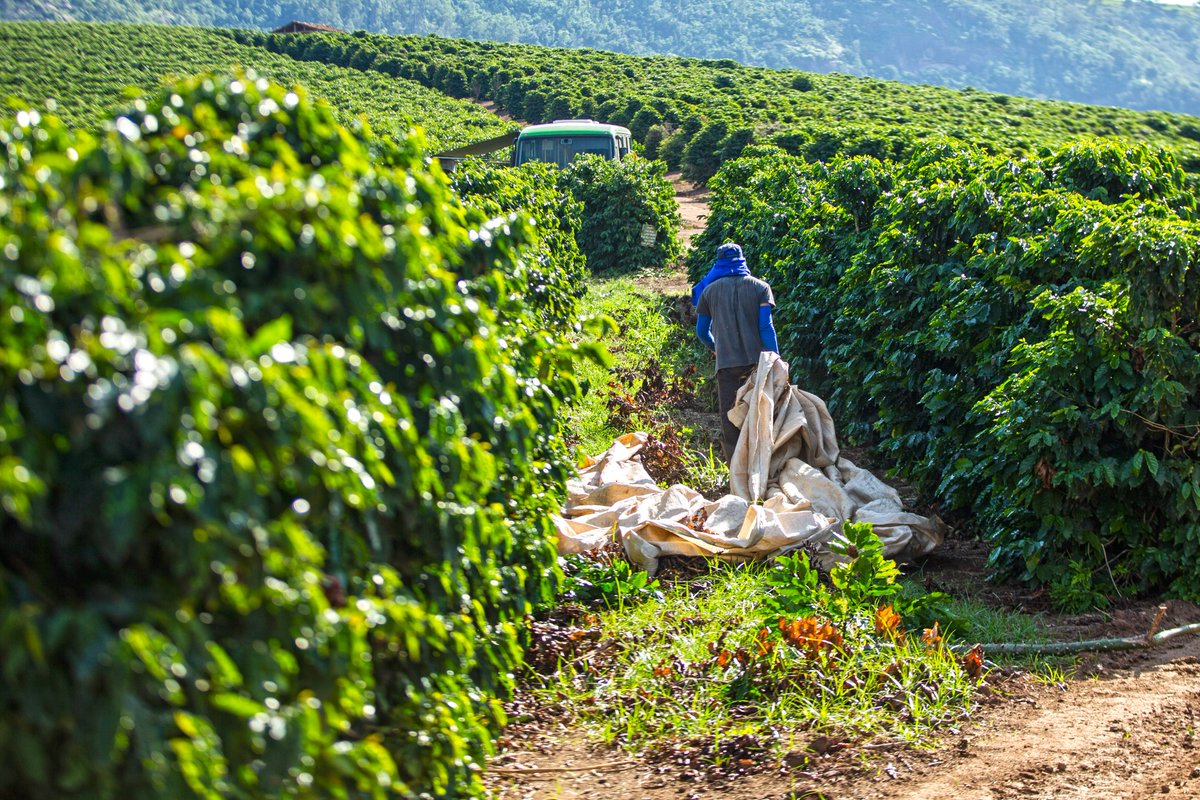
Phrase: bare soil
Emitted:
{"points": [[693, 206], [490, 105]]}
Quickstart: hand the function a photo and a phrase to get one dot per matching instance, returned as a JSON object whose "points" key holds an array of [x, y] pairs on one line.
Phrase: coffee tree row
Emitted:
{"points": [[696, 114], [1019, 337], [106, 60], [279, 442]]}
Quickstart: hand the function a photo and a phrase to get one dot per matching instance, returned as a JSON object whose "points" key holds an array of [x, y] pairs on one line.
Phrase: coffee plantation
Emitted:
{"points": [[668, 103], [106, 61], [279, 441], [1019, 337], [630, 220]]}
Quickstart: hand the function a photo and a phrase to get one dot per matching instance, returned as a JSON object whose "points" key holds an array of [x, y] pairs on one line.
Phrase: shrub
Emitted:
{"points": [[556, 278], [278, 444], [734, 143], [641, 123], [799, 224], [802, 83], [621, 200], [562, 107], [1190, 130], [702, 156], [362, 59], [454, 83], [533, 109], [653, 141], [672, 148]]}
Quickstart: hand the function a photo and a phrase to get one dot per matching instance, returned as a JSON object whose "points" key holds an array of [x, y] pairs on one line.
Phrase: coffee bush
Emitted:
{"points": [[279, 438], [630, 218]]}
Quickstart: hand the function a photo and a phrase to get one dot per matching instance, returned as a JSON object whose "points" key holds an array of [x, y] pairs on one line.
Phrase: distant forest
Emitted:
{"points": [[1140, 55]]}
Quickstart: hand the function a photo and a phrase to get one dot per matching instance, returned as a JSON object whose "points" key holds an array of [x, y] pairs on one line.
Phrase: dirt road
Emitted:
{"points": [[1129, 732]]}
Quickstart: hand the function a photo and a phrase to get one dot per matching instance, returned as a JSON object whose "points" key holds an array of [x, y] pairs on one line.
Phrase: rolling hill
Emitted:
{"points": [[693, 113]]}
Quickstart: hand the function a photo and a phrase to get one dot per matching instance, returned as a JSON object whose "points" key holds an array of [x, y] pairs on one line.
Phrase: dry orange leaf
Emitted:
{"points": [[932, 636], [887, 621], [762, 641], [810, 636]]}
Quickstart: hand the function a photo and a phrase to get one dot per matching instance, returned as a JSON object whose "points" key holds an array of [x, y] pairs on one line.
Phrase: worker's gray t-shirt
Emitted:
{"points": [[733, 304]]}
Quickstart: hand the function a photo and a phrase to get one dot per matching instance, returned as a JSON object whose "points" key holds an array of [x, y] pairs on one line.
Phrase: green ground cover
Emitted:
{"points": [[660, 381], [769, 656]]}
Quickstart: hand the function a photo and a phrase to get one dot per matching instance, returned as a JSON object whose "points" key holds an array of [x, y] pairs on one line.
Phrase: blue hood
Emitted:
{"points": [[730, 261]]}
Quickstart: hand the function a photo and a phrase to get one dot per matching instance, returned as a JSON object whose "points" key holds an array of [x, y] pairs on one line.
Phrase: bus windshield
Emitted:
{"points": [[562, 149]]}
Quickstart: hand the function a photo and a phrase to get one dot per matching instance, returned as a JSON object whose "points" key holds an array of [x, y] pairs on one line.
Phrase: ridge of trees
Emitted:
{"points": [[87, 71]]}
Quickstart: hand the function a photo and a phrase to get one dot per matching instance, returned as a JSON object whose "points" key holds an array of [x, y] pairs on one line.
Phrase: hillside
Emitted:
{"points": [[86, 70], [292, 420], [696, 114], [1140, 55]]}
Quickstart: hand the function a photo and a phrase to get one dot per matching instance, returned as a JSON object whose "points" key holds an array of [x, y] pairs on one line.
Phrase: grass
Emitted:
{"points": [[692, 665], [982, 623], [646, 340]]}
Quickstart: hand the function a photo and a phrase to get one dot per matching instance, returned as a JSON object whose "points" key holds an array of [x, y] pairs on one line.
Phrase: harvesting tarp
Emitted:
{"points": [[789, 486]]}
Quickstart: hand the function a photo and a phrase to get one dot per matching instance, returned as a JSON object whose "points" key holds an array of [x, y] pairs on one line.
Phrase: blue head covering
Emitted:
{"points": [[730, 261]]}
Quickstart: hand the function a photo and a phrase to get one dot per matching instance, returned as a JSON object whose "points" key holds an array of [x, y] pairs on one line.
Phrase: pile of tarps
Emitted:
{"points": [[789, 487]]}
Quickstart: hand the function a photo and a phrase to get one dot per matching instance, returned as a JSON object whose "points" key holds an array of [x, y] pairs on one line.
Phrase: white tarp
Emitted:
{"points": [[788, 486]]}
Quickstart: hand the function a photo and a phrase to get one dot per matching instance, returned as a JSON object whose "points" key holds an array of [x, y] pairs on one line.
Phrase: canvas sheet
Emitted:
{"points": [[789, 487]]}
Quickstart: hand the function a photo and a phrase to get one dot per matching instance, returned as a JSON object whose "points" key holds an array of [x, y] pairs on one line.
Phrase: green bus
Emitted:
{"points": [[553, 142], [560, 141]]}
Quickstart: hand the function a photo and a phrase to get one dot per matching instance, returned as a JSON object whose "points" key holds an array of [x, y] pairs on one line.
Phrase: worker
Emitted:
{"points": [[734, 321]]}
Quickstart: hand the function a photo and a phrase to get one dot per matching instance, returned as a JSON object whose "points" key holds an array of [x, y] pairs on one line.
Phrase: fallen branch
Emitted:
{"points": [[618, 765], [1090, 645]]}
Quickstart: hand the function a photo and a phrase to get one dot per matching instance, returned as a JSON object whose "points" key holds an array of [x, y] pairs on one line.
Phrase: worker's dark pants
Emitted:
{"points": [[729, 380]]}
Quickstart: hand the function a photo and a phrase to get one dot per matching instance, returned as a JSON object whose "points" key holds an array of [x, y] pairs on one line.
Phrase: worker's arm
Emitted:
{"points": [[704, 331], [766, 329]]}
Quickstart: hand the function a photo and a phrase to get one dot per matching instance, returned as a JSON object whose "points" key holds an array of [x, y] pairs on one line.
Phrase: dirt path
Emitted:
{"points": [[1131, 735], [693, 206]]}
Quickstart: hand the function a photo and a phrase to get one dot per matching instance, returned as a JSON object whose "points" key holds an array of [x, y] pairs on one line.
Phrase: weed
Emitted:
{"points": [[606, 581], [771, 653], [1074, 591], [1049, 671]]}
